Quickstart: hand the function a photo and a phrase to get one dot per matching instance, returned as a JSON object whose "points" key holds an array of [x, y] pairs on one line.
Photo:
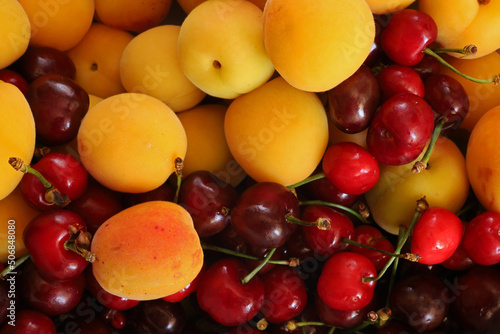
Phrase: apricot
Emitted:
{"points": [[97, 60], [132, 15], [152, 68], [17, 135], [482, 97], [15, 32], [277, 132], [147, 251], [315, 45], [15, 214], [386, 7], [483, 160], [207, 145], [59, 24], [129, 142], [188, 5]]}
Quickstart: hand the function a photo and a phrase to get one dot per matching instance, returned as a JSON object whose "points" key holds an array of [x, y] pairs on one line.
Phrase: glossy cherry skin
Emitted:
{"points": [[30, 322], [156, 317], [323, 190], [406, 36], [187, 290], [259, 215], [371, 236], [222, 295], [285, 295], [400, 129], [482, 238], [208, 200], [353, 103], [341, 285], [459, 260], [326, 242], [63, 171], [58, 104], [14, 78], [395, 79], [38, 61], [427, 66], [49, 296], [45, 237], [280, 253], [436, 235], [448, 98], [350, 168]]}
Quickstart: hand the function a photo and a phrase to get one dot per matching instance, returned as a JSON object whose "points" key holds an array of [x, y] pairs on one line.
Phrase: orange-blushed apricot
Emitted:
{"points": [[386, 7]]}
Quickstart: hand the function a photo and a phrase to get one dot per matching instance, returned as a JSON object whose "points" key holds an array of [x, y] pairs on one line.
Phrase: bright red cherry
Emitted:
{"points": [[395, 79], [482, 238], [187, 290], [350, 168], [14, 78], [406, 36], [371, 236], [341, 284], [436, 235]]}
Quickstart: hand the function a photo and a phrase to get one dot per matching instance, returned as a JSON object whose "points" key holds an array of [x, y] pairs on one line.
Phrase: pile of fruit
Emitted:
{"points": [[250, 166]]}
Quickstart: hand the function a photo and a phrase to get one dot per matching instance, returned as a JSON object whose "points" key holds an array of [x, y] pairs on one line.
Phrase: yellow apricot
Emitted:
{"points": [[15, 214], [315, 45], [386, 7], [483, 160], [17, 135], [59, 24], [207, 146], [147, 251], [482, 97], [97, 60], [277, 133], [188, 5], [129, 142], [15, 32], [132, 15], [152, 68]]}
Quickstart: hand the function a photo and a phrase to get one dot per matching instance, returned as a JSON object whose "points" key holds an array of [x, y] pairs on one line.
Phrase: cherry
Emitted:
{"points": [[395, 326], [373, 237], [47, 238], [279, 253], [41, 60], [350, 168], [285, 295], [156, 317], [323, 190], [427, 66], [116, 318], [48, 296], [222, 295], [260, 214], [400, 129], [481, 238], [341, 284], [376, 52], [326, 242], [58, 104], [459, 260], [208, 200], [406, 36], [187, 290], [436, 235], [353, 103], [63, 172], [297, 246], [421, 300], [30, 322], [14, 78], [395, 79]]}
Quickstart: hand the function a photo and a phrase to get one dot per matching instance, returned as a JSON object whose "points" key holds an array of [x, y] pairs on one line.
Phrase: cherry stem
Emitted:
{"points": [[392, 280], [422, 205], [337, 206], [179, 166], [293, 262], [10, 268], [78, 242], [254, 272], [407, 256], [307, 180], [292, 325], [422, 164], [321, 223], [495, 79], [52, 194], [468, 50]]}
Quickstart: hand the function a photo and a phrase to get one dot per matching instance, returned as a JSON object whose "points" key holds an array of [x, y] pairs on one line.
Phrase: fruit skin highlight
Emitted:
{"points": [[148, 251], [15, 32]]}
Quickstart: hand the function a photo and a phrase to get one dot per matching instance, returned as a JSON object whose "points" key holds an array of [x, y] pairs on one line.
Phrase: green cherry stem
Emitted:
{"points": [[254, 272], [307, 180], [466, 51], [336, 206], [422, 164], [406, 256], [292, 325], [11, 267], [394, 267], [321, 223]]}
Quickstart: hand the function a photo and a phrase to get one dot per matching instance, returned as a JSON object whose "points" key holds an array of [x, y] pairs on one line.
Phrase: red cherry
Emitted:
{"points": [[482, 238], [341, 285], [323, 190], [350, 168], [14, 78], [459, 260], [339, 318], [45, 238], [187, 290], [436, 235], [400, 129], [30, 322], [372, 236], [395, 79], [37, 61], [222, 295], [406, 36]]}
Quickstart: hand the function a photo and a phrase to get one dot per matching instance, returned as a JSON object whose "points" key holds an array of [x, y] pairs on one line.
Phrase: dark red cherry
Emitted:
{"points": [[323, 190], [353, 103], [29, 322], [400, 129], [427, 66], [156, 317], [395, 79], [481, 239], [376, 52], [58, 104], [14, 78], [406, 36], [280, 253], [260, 214], [372, 236], [41, 60]]}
